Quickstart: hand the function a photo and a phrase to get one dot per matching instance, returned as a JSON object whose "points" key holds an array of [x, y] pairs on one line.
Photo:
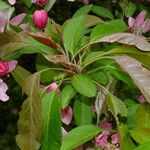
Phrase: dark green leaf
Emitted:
{"points": [[79, 136], [145, 146], [82, 111], [129, 9], [73, 32], [27, 2], [84, 85], [83, 10], [107, 28], [67, 94], [102, 12], [51, 122]]}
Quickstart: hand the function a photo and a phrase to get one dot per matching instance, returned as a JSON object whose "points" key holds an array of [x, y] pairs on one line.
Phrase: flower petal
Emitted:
{"points": [[3, 88], [67, 115], [131, 21], [12, 65], [139, 20], [146, 26], [17, 19], [115, 138], [12, 2]]}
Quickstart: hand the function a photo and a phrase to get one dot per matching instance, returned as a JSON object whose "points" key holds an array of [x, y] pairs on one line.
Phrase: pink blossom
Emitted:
{"points": [[6, 67], [42, 2], [12, 2], [105, 125], [52, 86], [85, 2], [102, 139], [115, 138], [139, 25], [17, 19], [3, 88], [141, 99], [66, 115], [40, 18]]}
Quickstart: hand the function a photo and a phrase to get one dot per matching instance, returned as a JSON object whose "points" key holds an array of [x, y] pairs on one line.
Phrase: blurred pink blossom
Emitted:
{"points": [[42, 2], [85, 2], [3, 88], [139, 24], [115, 138], [12, 2], [40, 18], [7, 66], [141, 99], [66, 115], [105, 125], [102, 139]]}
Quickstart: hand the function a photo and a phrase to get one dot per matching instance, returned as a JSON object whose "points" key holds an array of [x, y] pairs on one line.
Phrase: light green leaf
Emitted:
{"points": [[82, 109], [20, 74], [116, 106], [129, 9], [3, 5], [83, 10], [102, 12], [84, 85], [79, 136], [125, 141], [143, 116], [49, 5], [67, 93], [73, 32], [141, 135], [145, 146], [52, 133], [107, 28], [30, 117]]}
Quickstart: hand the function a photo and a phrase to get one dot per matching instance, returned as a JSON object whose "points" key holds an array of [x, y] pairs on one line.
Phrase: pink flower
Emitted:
{"points": [[66, 115], [42, 2], [3, 88], [139, 25], [6, 67], [115, 138], [105, 125], [12, 2], [85, 2], [141, 99], [102, 139], [40, 18]]}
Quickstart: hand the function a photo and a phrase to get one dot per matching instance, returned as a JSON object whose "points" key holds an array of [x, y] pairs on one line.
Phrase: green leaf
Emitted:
{"points": [[145, 146], [67, 94], [132, 52], [83, 10], [27, 3], [84, 85], [30, 117], [101, 77], [49, 5], [143, 116], [51, 122], [107, 28], [3, 5], [73, 32], [20, 74], [41, 64], [9, 42], [125, 141], [141, 135], [83, 111], [79, 136], [102, 12], [116, 106], [129, 9]]}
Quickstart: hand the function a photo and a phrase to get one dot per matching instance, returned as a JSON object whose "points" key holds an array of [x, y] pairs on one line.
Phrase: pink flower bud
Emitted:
{"points": [[42, 2], [40, 18], [3, 68]]}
